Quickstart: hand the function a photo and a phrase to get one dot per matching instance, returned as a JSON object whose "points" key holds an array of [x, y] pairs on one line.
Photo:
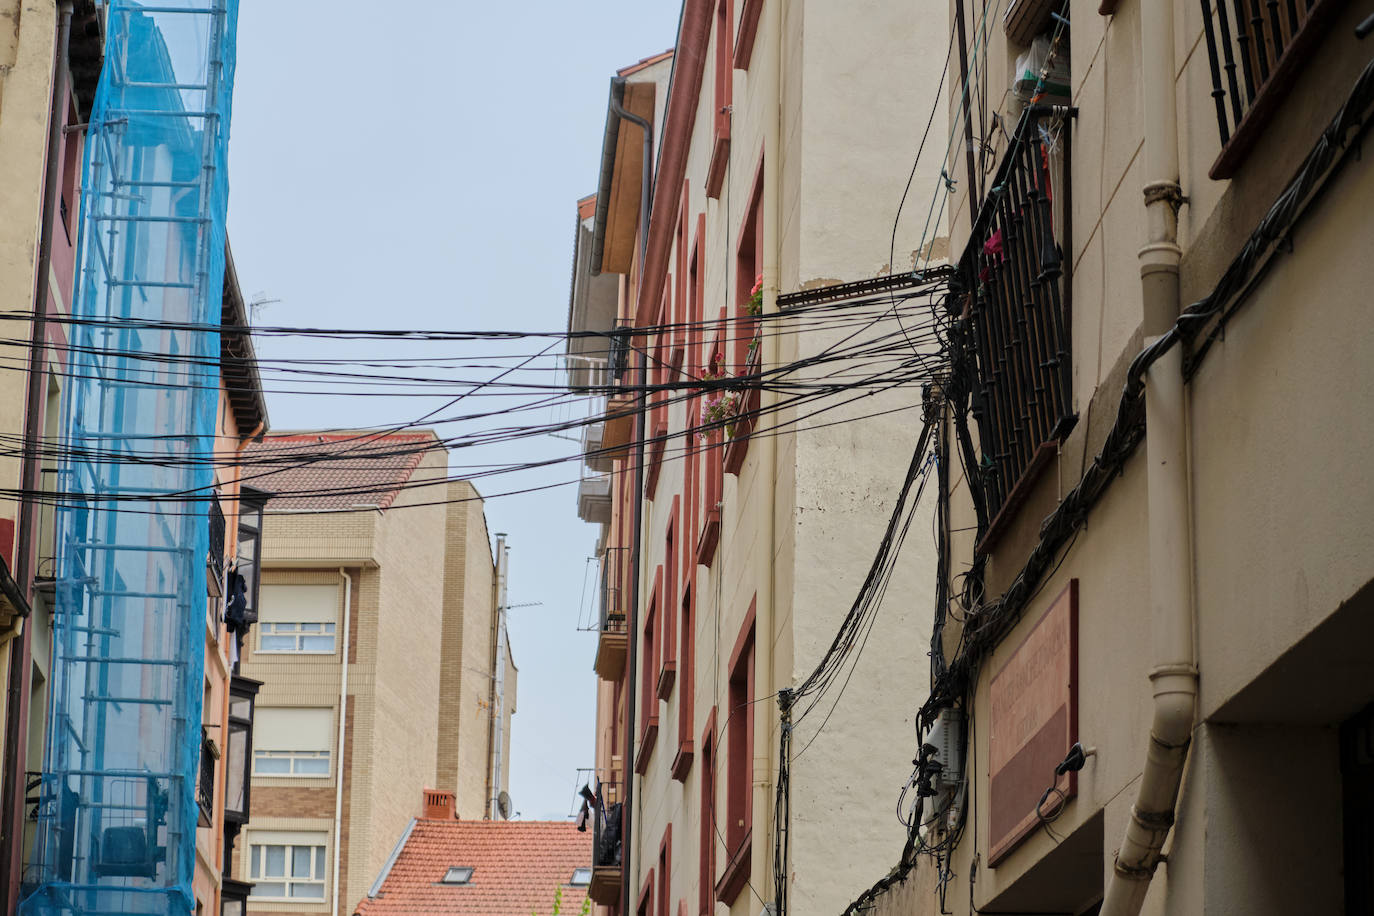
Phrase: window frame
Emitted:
{"points": [[706, 899], [682, 762], [739, 750], [266, 628], [723, 94], [319, 856], [295, 756], [648, 696]]}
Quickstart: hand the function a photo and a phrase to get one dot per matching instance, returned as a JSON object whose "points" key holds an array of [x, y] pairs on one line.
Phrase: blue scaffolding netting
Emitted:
{"points": [[118, 805]]}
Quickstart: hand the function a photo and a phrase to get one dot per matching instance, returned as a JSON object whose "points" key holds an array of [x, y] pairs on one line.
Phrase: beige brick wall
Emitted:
{"points": [[399, 762]]}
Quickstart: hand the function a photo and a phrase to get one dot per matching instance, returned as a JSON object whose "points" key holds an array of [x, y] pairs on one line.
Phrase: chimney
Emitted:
{"points": [[438, 806]]}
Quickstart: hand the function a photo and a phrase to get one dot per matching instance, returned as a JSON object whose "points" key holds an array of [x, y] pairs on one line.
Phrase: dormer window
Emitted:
{"points": [[458, 875]]}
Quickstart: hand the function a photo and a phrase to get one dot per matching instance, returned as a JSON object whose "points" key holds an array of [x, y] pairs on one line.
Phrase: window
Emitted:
{"points": [[739, 739], [293, 741], [745, 349], [667, 623], [297, 637], [292, 869], [581, 877], [707, 856], [724, 77], [683, 762], [739, 749], [648, 666], [300, 619], [665, 871], [463, 875]]}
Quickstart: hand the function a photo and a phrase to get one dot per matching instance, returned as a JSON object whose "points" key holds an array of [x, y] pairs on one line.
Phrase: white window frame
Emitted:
{"points": [[258, 844], [267, 628], [295, 757]]}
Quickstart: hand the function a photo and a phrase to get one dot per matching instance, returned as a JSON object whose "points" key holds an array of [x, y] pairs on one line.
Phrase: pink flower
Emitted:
{"points": [[993, 246]]}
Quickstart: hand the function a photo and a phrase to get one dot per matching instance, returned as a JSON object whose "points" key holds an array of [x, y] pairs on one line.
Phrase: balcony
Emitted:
{"points": [[1013, 271], [613, 637], [606, 848], [594, 499], [205, 786], [592, 437], [1255, 52]]}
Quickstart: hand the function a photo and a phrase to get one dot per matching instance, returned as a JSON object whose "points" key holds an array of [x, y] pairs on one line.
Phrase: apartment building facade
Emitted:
{"points": [[1167, 520], [734, 549], [53, 57], [377, 649]]}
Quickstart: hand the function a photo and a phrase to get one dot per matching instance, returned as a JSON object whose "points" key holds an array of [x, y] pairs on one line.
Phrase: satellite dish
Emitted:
{"points": [[503, 805]]}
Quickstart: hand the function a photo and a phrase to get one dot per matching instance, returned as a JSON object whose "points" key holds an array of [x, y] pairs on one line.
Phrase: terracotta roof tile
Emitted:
{"points": [[335, 470], [517, 867]]}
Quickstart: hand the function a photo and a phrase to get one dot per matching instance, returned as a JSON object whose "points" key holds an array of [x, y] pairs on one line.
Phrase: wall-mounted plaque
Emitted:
{"points": [[1034, 722]]}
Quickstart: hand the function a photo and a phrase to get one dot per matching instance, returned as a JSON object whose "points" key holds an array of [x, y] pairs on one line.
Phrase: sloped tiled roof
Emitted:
{"points": [[517, 866], [335, 470]]}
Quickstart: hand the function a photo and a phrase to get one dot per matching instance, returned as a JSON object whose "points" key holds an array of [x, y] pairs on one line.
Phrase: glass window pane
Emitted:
{"points": [[240, 707], [319, 861], [278, 643], [311, 627], [265, 765], [317, 643], [300, 861], [262, 889], [311, 765], [329, 628], [255, 859], [308, 891], [276, 862]]}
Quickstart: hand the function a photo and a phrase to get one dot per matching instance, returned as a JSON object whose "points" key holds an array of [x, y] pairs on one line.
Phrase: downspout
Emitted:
{"points": [[339, 757], [636, 561], [766, 725], [1174, 675], [16, 705], [498, 705]]}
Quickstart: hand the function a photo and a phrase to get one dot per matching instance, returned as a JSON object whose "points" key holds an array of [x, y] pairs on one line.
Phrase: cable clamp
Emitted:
{"points": [[949, 182]]}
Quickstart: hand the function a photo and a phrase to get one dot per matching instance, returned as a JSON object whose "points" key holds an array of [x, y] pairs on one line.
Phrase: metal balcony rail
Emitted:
{"points": [[620, 349], [1014, 268], [614, 568], [205, 785], [216, 555], [606, 827], [1253, 45]]}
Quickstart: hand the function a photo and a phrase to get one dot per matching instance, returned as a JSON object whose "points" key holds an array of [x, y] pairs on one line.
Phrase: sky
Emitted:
{"points": [[417, 165]]}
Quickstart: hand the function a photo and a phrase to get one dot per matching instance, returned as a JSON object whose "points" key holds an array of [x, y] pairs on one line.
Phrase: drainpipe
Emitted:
{"points": [[498, 705], [1174, 675], [17, 711], [765, 737], [636, 561], [339, 756]]}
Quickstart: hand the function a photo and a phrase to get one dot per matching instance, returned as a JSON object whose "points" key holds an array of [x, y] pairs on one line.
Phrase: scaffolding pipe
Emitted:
{"points": [[1174, 674]]}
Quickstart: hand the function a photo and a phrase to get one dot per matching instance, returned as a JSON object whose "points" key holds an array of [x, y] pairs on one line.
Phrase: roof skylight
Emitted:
{"points": [[458, 875]]}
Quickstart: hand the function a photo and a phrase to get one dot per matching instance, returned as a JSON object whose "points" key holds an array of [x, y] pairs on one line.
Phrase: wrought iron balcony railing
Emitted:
{"points": [[1014, 269], [205, 785], [1254, 50]]}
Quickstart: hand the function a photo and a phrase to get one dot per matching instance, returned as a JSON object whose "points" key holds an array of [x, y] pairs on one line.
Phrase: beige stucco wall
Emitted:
{"points": [[28, 30], [843, 164], [469, 633], [1278, 507]]}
